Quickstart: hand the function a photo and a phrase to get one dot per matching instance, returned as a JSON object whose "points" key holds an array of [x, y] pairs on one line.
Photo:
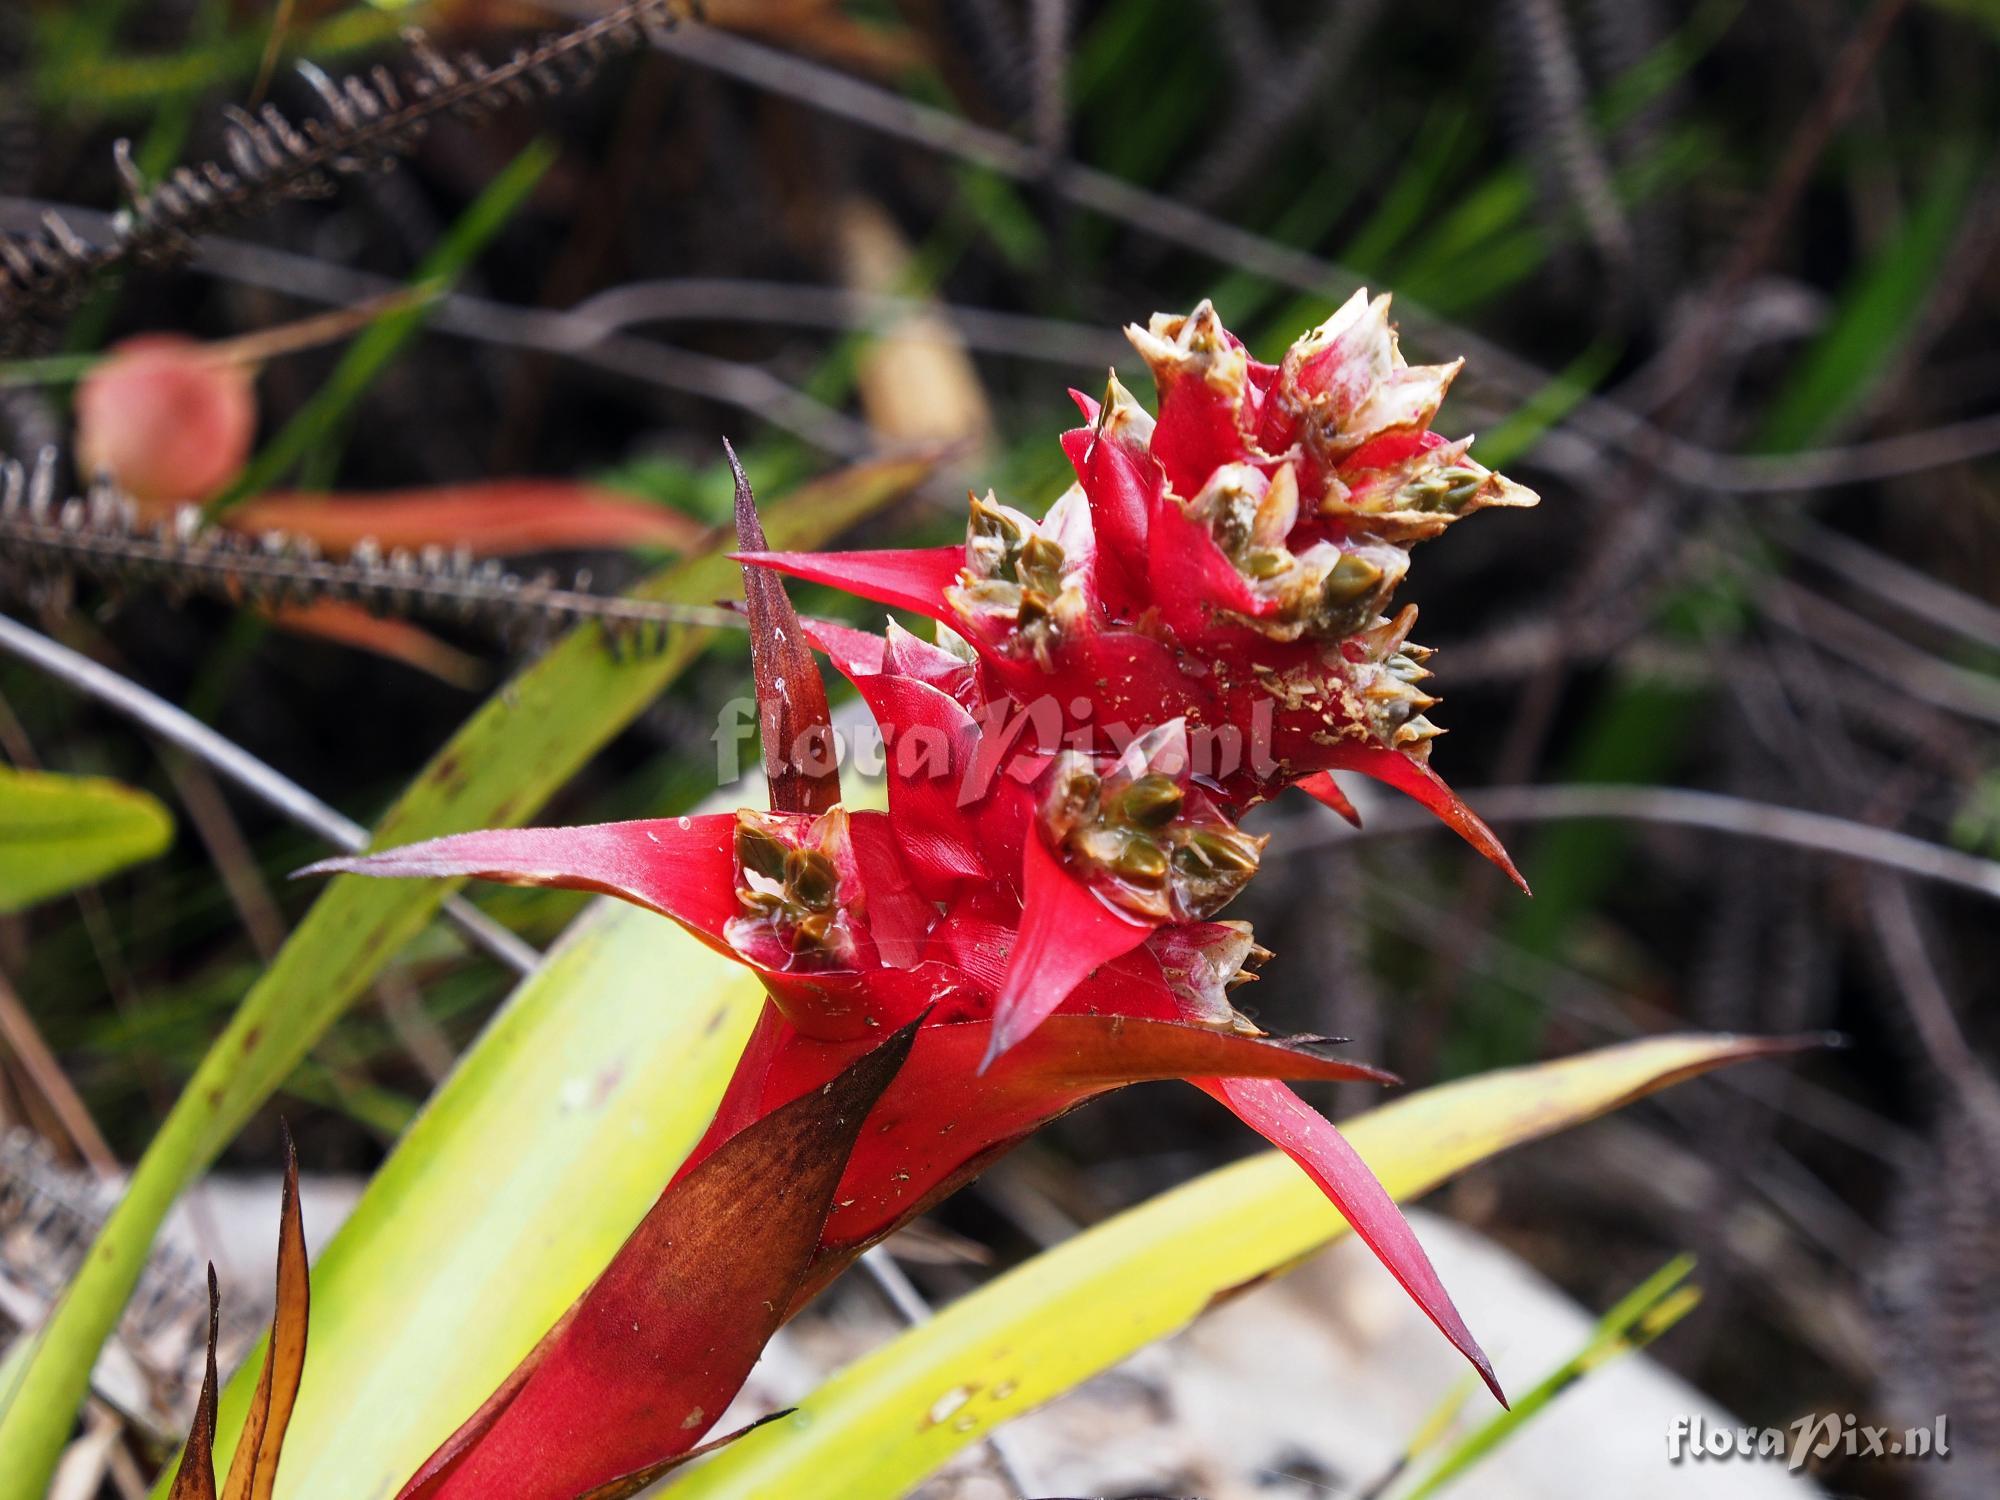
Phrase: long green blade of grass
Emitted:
{"points": [[1874, 314], [123, 84], [1641, 1316]]}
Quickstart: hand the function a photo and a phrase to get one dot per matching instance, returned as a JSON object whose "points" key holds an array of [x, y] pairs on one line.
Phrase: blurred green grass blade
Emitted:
{"points": [[518, 1181], [1106, 44], [59, 833], [79, 79], [1524, 426], [1649, 78], [1503, 240], [1433, 159], [383, 1113], [500, 767], [1430, 1432], [1242, 297], [326, 413], [1480, 239], [1641, 1316], [1873, 318], [872, 1431], [167, 136], [1414, 198]]}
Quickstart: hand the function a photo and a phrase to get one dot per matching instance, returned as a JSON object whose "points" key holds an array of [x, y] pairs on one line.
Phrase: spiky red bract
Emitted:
{"points": [[1310, 1139], [679, 867], [1066, 932]]}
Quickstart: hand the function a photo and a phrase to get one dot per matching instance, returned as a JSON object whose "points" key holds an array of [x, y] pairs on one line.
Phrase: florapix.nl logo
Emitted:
{"points": [[996, 737], [1818, 1437]]}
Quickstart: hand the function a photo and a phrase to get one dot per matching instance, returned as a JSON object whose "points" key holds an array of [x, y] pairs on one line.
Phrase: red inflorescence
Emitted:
{"points": [[1202, 620]]}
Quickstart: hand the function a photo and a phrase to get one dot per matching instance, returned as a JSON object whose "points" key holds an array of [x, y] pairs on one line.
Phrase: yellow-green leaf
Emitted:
{"points": [[872, 1431], [514, 1187], [61, 832]]}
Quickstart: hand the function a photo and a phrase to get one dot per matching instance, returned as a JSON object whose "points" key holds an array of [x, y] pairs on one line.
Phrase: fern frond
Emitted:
{"points": [[365, 123], [100, 536]]}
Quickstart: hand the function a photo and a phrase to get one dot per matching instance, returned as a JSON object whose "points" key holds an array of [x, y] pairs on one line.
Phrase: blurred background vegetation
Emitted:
{"points": [[1725, 274]]}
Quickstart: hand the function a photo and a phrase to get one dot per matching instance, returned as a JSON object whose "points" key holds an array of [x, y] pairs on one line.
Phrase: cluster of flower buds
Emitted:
{"points": [[1199, 622], [791, 885], [1231, 564], [1141, 835]]}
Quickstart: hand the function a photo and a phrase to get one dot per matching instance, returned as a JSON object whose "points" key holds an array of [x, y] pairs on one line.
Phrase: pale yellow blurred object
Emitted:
{"points": [[917, 383]]}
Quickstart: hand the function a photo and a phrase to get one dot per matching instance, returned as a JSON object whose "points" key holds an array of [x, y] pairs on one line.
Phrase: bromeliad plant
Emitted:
{"points": [[1200, 622]]}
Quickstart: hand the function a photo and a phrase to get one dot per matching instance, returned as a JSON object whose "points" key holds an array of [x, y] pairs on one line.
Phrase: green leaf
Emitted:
{"points": [[61, 832], [1525, 426], [1641, 1316], [1875, 313], [129, 83], [515, 1186], [496, 772], [1078, 1309]]}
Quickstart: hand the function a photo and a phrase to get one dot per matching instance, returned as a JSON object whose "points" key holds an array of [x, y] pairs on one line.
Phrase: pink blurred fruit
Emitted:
{"points": [[166, 420]]}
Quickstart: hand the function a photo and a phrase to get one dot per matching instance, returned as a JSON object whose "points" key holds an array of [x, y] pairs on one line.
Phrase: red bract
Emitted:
{"points": [[1031, 921], [1230, 565]]}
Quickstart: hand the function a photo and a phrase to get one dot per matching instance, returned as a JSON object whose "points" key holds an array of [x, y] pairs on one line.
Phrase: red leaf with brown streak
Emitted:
{"points": [[491, 518], [943, 1123], [195, 1478], [792, 715], [650, 1355], [640, 1479], [1311, 1140], [254, 1471], [940, 1122]]}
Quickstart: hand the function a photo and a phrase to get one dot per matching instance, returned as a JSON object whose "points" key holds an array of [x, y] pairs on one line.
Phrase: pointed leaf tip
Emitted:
{"points": [[683, 868], [1066, 932], [1416, 779], [195, 1479], [912, 578], [253, 1473], [1323, 789], [641, 1479], [1278, 1114], [792, 714]]}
